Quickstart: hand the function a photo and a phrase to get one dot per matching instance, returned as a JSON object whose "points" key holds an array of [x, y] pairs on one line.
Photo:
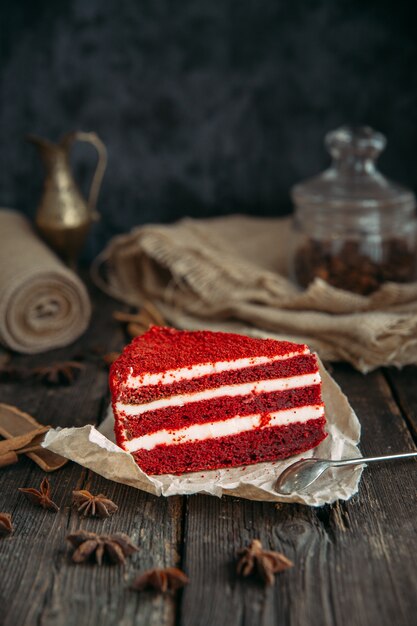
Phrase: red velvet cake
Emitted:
{"points": [[188, 401]]}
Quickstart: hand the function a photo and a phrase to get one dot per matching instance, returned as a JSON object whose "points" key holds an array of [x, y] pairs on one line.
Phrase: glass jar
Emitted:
{"points": [[352, 227]]}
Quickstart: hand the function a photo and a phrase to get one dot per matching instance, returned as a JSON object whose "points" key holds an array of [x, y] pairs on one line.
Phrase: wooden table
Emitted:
{"points": [[355, 562]]}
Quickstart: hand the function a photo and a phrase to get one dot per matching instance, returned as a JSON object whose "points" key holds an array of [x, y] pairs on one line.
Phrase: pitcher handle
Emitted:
{"points": [[100, 167]]}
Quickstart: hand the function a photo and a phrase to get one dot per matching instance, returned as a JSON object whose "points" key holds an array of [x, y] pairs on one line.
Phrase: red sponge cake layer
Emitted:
{"points": [[145, 394], [254, 447], [189, 401], [206, 411]]}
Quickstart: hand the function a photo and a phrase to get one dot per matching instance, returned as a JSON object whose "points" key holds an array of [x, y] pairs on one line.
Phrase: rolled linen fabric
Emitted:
{"points": [[43, 304]]}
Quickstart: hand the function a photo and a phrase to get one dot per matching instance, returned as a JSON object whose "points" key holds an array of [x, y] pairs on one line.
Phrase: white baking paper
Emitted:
{"points": [[96, 450]]}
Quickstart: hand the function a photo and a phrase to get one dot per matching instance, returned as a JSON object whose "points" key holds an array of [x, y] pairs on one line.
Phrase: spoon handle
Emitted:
{"points": [[373, 459]]}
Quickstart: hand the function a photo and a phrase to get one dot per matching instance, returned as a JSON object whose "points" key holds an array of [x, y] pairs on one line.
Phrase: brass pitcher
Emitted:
{"points": [[64, 217]]}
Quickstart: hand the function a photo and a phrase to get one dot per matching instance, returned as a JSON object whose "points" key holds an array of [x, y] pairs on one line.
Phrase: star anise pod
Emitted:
{"points": [[163, 580], [265, 563], [63, 372], [6, 526], [138, 323], [88, 545], [41, 497], [93, 506]]}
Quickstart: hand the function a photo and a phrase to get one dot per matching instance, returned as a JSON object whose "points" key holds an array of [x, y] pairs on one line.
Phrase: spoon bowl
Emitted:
{"points": [[301, 474]]}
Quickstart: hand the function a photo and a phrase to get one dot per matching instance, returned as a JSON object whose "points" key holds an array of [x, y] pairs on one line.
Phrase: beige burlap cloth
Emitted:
{"points": [[43, 305], [230, 274]]}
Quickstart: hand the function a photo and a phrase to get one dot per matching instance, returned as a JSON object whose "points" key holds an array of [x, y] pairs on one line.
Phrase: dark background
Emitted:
{"points": [[206, 108]]}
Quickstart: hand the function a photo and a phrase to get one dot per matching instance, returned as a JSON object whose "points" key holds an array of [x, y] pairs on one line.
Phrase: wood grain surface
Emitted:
{"points": [[354, 561]]}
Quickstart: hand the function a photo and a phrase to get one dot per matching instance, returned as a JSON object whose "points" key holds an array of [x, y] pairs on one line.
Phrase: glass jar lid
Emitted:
{"points": [[352, 181]]}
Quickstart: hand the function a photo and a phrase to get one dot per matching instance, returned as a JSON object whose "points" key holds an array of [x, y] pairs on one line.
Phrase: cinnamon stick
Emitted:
{"points": [[8, 458], [15, 443], [15, 423]]}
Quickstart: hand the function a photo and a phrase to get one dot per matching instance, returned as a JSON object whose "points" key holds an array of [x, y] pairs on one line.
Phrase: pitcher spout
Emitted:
{"points": [[40, 142]]}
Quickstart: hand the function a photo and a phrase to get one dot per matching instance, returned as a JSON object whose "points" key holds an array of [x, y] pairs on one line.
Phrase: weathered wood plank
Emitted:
{"points": [[381, 521], [404, 387], [102, 594], [353, 561], [38, 582]]}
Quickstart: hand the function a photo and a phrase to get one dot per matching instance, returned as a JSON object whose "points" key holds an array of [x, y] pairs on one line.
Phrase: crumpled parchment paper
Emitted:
{"points": [[95, 449]]}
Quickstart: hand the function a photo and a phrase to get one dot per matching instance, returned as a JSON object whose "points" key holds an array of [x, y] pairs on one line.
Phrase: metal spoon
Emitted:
{"points": [[303, 473]]}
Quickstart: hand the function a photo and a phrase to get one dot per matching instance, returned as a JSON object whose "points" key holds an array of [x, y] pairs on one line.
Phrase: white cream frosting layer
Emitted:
{"points": [[241, 389], [232, 426], [204, 369]]}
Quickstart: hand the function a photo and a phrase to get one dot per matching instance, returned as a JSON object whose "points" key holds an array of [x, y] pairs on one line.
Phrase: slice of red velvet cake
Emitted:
{"points": [[188, 401]]}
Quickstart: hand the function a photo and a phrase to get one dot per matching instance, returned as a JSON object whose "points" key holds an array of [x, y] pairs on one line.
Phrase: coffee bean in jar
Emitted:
{"points": [[352, 227]]}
